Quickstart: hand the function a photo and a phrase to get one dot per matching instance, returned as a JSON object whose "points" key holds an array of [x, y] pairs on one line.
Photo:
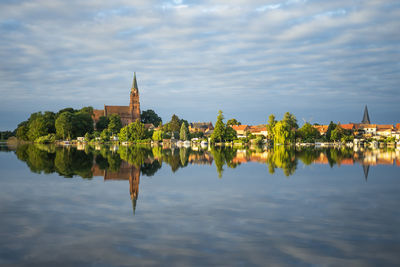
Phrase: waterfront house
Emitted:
{"points": [[259, 130], [241, 130]]}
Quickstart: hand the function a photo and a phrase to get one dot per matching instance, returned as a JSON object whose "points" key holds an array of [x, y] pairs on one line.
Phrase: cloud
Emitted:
{"points": [[202, 56]]}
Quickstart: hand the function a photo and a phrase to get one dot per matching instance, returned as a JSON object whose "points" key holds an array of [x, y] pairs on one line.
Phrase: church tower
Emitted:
{"points": [[134, 104], [366, 119]]}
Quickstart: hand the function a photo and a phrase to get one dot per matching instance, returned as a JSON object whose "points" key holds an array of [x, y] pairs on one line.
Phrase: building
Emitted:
{"points": [[200, 127], [322, 129], [128, 114], [259, 130], [241, 130]]}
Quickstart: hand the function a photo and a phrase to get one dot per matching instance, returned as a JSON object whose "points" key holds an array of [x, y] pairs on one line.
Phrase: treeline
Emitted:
{"points": [[284, 131], [48, 126]]}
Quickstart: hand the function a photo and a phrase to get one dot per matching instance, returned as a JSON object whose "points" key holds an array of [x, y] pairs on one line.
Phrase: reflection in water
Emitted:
{"points": [[126, 163]]}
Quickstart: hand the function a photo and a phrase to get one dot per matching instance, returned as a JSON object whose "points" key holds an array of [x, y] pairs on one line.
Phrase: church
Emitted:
{"points": [[128, 114]]}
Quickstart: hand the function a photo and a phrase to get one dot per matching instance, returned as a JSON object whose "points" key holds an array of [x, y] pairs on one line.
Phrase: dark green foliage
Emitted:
{"points": [[149, 116], [174, 124], [331, 127], [102, 123], [218, 134], [4, 135], [308, 133], [233, 122]]}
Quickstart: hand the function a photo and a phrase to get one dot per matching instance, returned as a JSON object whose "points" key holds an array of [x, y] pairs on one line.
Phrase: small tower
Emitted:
{"points": [[366, 119], [134, 104]]}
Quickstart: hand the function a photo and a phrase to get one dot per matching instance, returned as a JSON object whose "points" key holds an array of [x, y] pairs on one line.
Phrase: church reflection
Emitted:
{"points": [[126, 172]]}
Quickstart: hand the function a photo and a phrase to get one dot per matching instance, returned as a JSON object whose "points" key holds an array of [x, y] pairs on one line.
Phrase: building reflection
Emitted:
{"points": [[126, 172]]}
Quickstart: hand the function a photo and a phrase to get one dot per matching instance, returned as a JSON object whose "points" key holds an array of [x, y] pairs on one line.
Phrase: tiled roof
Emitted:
{"points": [[117, 110], [384, 126], [239, 127], [349, 126]]}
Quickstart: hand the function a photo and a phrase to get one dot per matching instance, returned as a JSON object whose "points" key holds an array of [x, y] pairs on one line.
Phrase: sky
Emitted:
{"points": [[320, 60]]}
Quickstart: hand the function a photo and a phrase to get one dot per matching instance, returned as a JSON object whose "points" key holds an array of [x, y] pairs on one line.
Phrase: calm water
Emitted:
{"points": [[154, 206]]}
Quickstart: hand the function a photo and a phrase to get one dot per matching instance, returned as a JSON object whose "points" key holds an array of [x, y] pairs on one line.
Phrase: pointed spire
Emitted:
{"points": [[366, 119], [134, 83], [366, 171]]}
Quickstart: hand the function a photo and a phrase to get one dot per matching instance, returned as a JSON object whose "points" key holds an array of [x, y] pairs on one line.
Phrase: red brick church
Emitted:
{"points": [[128, 114]]}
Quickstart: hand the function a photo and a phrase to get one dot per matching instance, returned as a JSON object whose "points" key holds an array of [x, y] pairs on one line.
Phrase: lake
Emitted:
{"points": [[124, 206]]}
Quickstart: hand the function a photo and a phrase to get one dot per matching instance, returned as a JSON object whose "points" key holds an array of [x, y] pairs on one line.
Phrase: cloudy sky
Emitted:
{"points": [[321, 60]]}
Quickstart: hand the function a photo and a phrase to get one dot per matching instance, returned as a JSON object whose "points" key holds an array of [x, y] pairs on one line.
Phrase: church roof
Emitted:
{"points": [[116, 110], [366, 119]]}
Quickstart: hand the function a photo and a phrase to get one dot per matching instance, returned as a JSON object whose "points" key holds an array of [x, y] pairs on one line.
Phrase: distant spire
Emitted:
{"points": [[366, 119], [366, 171], [134, 83]]}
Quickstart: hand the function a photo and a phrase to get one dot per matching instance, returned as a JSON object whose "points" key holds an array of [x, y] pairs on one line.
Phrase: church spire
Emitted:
{"points": [[366, 119], [134, 83]]}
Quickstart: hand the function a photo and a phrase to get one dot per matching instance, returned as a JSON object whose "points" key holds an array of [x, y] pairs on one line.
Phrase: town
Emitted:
{"points": [[126, 125]]}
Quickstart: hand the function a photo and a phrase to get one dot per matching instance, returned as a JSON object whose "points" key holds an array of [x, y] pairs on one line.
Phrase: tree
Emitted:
{"points": [[105, 135], [37, 128], [64, 125], [291, 120], [271, 125], [184, 132], [337, 133], [308, 133], [331, 127], [149, 116], [219, 129], [115, 123], [233, 122], [283, 133], [230, 134], [102, 123], [133, 132], [174, 124], [82, 123], [157, 135], [22, 131]]}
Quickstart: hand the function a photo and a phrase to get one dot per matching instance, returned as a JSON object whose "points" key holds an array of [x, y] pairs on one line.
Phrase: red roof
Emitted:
{"points": [[349, 126], [398, 126], [239, 127], [384, 126]]}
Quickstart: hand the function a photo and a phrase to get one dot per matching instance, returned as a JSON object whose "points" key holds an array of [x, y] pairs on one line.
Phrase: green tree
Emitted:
{"points": [[230, 134], [233, 122], [105, 135], [331, 127], [184, 132], [219, 129], [149, 116], [337, 133], [308, 133], [174, 124], [291, 120], [115, 123], [283, 133], [157, 135], [102, 123], [37, 128], [82, 123], [22, 131], [271, 125], [64, 125]]}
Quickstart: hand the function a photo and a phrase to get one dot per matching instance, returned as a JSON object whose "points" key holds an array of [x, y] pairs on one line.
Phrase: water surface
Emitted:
{"points": [[109, 206]]}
